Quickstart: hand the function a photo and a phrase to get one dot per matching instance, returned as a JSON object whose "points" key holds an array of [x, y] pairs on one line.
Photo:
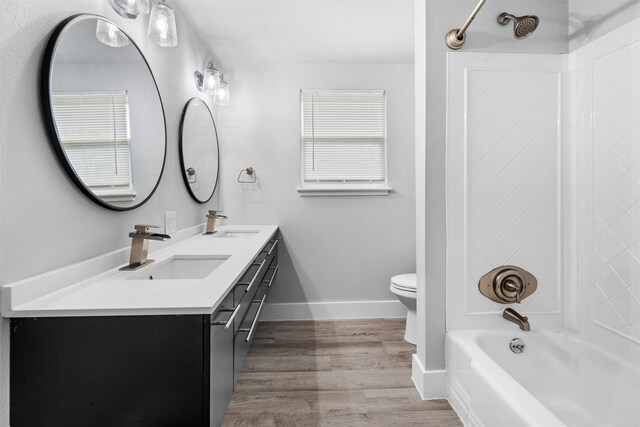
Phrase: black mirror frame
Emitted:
{"points": [[181, 146], [45, 101]]}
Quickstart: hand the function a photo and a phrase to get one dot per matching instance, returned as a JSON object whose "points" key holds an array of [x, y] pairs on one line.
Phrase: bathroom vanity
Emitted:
{"points": [[162, 345]]}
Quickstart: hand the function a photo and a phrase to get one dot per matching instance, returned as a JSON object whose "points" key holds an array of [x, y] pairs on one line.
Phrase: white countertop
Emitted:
{"points": [[113, 293]]}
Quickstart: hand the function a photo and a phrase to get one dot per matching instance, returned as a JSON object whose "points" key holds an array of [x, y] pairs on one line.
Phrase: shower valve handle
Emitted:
{"points": [[507, 284]]}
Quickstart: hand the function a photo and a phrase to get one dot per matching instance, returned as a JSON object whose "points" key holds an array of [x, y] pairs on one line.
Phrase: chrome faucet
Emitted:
{"points": [[211, 221], [513, 316], [140, 245]]}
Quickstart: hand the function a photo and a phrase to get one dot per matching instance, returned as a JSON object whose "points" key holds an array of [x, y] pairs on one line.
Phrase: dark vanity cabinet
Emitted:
{"points": [[143, 370]]}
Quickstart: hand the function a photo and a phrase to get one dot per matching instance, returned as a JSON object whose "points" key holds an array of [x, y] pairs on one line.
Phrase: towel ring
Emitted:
{"points": [[251, 173]]}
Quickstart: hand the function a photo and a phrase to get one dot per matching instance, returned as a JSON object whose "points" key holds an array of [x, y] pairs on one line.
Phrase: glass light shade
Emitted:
{"points": [[110, 35], [222, 94], [130, 8], [210, 81], [162, 26]]}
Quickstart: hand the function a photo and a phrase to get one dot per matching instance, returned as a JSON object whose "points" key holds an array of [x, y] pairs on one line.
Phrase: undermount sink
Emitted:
{"points": [[236, 233], [183, 267]]}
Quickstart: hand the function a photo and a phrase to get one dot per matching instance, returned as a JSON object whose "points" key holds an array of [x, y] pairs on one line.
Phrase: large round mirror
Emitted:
{"points": [[199, 150], [104, 112]]}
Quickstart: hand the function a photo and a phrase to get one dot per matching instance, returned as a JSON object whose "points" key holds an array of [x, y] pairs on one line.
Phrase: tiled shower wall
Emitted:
{"points": [[607, 78], [503, 183], [543, 171], [512, 181]]}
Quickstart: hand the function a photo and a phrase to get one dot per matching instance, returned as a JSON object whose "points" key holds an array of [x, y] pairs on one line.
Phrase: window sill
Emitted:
{"points": [[110, 196], [343, 191]]}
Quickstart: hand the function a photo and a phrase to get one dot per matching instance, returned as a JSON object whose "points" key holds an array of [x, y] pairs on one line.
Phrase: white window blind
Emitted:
{"points": [[94, 131], [343, 136]]}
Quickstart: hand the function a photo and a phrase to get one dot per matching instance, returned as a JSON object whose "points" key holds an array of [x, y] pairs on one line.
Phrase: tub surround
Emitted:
{"points": [[504, 171], [117, 293], [605, 73]]}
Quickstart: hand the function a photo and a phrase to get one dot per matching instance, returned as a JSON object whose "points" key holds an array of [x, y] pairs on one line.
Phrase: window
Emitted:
{"points": [[94, 130], [343, 142]]}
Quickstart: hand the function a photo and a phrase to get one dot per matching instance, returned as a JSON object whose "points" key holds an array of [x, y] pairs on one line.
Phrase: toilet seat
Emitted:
{"points": [[404, 282]]}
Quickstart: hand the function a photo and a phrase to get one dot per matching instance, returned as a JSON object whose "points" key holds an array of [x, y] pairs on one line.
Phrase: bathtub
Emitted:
{"points": [[560, 379]]}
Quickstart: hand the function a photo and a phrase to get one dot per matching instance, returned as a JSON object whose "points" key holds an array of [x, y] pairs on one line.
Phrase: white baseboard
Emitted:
{"points": [[430, 384], [334, 310]]}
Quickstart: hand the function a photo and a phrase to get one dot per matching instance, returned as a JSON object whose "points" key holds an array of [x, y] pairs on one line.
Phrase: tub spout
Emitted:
{"points": [[513, 316]]}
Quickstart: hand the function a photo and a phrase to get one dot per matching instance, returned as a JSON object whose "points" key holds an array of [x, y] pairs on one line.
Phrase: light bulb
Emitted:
{"points": [[211, 81], [222, 94], [162, 27]]}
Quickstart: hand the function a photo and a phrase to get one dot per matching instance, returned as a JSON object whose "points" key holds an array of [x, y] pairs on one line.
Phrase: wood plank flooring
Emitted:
{"points": [[332, 373]]}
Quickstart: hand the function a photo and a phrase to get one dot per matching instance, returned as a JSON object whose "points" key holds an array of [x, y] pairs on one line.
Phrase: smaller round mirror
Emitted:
{"points": [[199, 150]]}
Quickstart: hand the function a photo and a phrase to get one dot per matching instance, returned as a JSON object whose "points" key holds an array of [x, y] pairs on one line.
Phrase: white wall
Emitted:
{"points": [[45, 222], [336, 249]]}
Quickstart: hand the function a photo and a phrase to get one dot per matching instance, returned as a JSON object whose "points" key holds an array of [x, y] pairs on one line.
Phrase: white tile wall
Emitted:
{"points": [[615, 287], [513, 182], [504, 183], [606, 110]]}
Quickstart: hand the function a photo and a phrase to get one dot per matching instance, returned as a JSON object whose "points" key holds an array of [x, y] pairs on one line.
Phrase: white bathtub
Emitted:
{"points": [[559, 380]]}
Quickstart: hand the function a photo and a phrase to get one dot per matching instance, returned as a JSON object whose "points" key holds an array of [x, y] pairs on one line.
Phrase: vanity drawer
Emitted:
{"points": [[221, 360], [244, 335], [249, 285]]}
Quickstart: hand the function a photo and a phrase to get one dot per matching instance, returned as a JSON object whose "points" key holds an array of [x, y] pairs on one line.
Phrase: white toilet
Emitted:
{"points": [[404, 286]]}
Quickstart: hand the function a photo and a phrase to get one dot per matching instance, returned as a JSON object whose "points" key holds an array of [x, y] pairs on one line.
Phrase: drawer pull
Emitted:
{"points": [[254, 324], [233, 316], [275, 243], [255, 278], [229, 321], [273, 276]]}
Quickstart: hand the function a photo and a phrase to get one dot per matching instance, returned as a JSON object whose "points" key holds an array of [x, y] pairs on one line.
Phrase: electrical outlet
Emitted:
{"points": [[170, 222]]}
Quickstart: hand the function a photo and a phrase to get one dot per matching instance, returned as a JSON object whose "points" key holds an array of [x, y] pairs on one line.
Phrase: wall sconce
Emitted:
{"points": [[162, 25], [162, 22], [130, 9], [222, 93], [109, 34], [209, 80]]}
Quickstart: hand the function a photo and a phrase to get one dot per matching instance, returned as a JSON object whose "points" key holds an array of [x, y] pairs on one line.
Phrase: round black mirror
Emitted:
{"points": [[199, 155], [104, 112]]}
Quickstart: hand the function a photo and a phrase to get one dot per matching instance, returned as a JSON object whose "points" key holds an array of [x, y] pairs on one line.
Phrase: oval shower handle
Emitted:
{"points": [[507, 284]]}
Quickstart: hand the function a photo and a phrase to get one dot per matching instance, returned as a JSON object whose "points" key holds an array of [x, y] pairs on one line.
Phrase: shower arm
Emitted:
{"points": [[456, 37]]}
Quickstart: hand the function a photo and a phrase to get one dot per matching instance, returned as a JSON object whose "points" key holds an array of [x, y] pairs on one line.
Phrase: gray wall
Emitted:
{"points": [[335, 248], [590, 19], [45, 222]]}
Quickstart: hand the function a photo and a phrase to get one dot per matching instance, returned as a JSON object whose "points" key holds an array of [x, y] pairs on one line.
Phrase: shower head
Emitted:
{"points": [[523, 26]]}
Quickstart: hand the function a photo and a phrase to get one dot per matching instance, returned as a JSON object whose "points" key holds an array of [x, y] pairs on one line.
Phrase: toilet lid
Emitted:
{"points": [[405, 282]]}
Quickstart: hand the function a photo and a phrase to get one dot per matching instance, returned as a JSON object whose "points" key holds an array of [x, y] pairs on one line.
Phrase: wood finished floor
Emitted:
{"points": [[332, 373]]}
